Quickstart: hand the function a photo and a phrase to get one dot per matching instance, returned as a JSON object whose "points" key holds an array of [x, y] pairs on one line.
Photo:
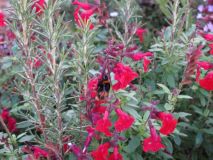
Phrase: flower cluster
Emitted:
{"points": [[39, 6], [207, 81], [34, 152], [169, 123], [101, 153], [83, 12], [8, 120]]}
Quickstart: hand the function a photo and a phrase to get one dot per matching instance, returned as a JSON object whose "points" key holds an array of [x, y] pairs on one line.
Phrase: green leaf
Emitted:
{"points": [[167, 33], [177, 140], [21, 135], [169, 146], [168, 106], [133, 112], [198, 139], [165, 89], [146, 116], [26, 138], [208, 131], [133, 144], [184, 97], [24, 124], [183, 114], [171, 80], [6, 62], [137, 156]]}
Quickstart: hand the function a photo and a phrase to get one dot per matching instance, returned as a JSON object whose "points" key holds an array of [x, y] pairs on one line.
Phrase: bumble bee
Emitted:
{"points": [[103, 87]]}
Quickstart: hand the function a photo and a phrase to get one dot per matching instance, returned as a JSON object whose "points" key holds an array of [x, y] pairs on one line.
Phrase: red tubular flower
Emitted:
{"points": [[76, 150], [101, 153], [85, 14], [38, 152], [140, 32], [132, 48], [98, 108], [168, 123], [124, 75], [211, 48], [152, 143], [85, 6], [207, 82], [115, 155], [10, 35], [66, 148], [146, 63], [91, 132], [11, 124], [104, 124], [124, 121], [92, 87], [208, 37], [39, 6], [205, 65], [37, 62], [5, 114], [2, 20], [9, 121], [140, 55]]}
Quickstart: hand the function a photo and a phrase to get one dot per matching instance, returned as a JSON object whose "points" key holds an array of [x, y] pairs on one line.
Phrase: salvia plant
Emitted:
{"points": [[80, 81]]}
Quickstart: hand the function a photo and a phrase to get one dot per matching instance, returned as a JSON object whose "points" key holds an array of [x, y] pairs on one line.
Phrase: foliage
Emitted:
{"points": [[86, 84]]}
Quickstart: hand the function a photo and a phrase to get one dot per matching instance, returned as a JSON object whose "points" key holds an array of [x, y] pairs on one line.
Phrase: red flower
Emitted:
{"points": [[207, 82], [5, 114], [2, 20], [146, 63], [92, 87], [11, 124], [124, 121], [37, 62], [81, 17], [211, 48], [83, 5], [205, 65], [66, 148], [9, 121], [101, 153], [39, 6], [208, 37], [168, 123], [38, 152], [140, 55], [104, 124], [91, 132], [115, 155], [76, 150], [98, 108], [10, 35], [152, 143], [124, 75], [139, 32]]}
